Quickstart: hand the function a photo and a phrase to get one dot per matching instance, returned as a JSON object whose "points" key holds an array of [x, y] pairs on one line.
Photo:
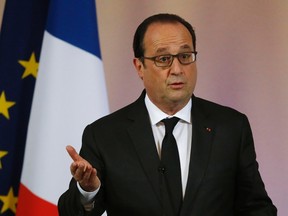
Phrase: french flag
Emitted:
{"points": [[70, 93]]}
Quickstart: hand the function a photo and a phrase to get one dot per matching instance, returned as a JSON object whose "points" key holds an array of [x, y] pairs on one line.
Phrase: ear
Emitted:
{"points": [[139, 67]]}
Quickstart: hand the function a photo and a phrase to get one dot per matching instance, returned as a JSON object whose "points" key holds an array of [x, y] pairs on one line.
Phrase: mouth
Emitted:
{"points": [[176, 85]]}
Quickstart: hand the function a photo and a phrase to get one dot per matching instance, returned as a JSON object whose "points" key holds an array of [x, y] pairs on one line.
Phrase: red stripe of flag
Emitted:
{"points": [[31, 205]]}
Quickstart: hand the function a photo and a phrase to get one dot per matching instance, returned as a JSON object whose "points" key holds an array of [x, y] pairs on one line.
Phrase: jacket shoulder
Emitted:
{"points": [[123, 115], [215, 110]]}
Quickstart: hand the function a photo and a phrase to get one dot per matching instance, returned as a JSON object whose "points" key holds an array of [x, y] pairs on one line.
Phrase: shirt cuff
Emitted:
{"points": [[87, 197]]}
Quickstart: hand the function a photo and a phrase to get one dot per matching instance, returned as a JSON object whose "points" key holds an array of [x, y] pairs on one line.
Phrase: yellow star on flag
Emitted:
{"points": [[5, 105], [2, 154], [31, 66], [9, 202]]}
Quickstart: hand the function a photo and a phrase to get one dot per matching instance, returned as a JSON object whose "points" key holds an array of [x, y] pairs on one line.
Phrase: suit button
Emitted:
{"points": [[161, 169], [80, 213]]}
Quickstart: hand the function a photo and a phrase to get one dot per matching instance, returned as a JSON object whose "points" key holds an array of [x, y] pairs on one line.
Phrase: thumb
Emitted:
{"points": [[73, 154]]}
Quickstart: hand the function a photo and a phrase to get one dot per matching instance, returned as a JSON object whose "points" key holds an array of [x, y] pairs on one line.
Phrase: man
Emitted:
{"points": [[123, 167]]}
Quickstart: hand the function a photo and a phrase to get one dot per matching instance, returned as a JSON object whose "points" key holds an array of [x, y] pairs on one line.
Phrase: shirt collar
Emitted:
{"points": [[156, 115]]}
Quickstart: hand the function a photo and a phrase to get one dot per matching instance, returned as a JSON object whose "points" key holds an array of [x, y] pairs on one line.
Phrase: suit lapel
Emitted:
{"points": [[202, 136], [142, 138]]}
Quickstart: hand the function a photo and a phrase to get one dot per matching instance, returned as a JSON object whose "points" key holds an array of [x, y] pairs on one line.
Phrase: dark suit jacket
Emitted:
{"points": [[223, 174]]}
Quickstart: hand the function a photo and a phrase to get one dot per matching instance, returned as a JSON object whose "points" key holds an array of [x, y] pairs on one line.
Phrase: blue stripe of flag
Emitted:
{"points": [[21, 35], [65, 21]]}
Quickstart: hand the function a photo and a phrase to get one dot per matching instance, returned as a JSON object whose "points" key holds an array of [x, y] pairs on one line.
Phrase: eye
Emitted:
{"points": [[185, 56], [163, 59]]}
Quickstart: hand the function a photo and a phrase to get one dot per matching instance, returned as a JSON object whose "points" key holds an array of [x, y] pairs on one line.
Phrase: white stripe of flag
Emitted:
{"points": [[70, 93]]}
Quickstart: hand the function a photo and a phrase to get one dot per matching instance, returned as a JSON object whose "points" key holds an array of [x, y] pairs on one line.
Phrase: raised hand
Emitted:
{"points": [[82, 171]]}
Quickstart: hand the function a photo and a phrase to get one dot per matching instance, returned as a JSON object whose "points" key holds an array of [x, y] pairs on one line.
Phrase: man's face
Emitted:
{"points": [[169, 88]]}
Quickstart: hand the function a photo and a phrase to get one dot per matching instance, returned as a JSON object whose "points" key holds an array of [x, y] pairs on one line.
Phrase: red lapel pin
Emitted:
{"points": [[208, 129]]}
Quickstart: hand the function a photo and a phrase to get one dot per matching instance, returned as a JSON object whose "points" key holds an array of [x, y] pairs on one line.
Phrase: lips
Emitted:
{"points": [[176, 85]]}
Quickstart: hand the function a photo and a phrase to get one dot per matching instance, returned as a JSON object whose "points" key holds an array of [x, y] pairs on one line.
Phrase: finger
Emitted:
{"points": [[87, 174], [94, 172], [73, 154], [90, 181], [73, 168], [80, 168], [79, 172]]}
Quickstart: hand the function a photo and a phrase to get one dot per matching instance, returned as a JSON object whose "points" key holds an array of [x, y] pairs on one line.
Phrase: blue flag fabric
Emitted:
{"points": [[20, 44], [76, 24]]}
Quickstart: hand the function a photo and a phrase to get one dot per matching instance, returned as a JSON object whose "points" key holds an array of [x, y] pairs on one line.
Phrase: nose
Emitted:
{"points": [[176, 67]]}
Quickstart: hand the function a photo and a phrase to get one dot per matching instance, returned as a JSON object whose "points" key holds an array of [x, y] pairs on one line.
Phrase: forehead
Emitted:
{"points": [[167, 37]]}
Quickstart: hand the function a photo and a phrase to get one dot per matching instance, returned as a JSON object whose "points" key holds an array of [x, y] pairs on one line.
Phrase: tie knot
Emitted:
{"points": [[170, 124]]}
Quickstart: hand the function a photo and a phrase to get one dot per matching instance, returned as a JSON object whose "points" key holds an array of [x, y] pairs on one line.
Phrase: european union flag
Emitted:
{"points": [[20, 43]]}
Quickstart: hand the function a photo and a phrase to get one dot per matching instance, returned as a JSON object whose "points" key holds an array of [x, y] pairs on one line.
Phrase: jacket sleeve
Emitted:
{"points": [[69, 204], [252, 198]]}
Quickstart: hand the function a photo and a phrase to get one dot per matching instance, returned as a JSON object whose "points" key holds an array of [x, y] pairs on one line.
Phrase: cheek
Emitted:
{"points": [[149, 79], [153, 80], [192, 77]]}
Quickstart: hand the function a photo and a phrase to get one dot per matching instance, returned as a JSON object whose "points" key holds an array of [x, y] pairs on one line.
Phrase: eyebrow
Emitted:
{"points": [[163, 49]]}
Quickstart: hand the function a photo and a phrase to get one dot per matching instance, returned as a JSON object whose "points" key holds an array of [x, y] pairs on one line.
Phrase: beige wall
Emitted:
{"points": [[2, 4]]}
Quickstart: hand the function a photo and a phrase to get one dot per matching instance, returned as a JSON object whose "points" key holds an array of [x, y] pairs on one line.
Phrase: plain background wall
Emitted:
{"points": [[2, 3], [242, 63]]}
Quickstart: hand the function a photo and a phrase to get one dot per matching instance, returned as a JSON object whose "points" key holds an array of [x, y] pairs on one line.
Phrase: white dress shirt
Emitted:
{"points": [[182, 133]]}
